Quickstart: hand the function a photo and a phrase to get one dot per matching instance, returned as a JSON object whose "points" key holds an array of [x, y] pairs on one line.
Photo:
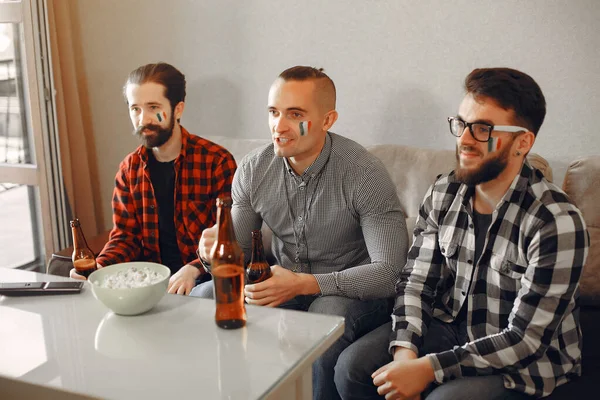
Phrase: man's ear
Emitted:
{"points": [[178, 111], [525, 142], [329, 120]]}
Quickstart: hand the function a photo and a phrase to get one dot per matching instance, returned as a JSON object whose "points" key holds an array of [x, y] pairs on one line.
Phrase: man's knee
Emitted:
{"points": [[472, 387], [357, 362], [331, 305], [360, 316], [350, 367]]}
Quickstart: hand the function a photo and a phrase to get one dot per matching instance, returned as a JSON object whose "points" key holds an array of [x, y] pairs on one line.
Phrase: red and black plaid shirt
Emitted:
{"points": [[203, 172]]}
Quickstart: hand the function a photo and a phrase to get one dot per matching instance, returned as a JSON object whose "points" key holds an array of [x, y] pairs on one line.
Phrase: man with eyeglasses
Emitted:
{"points": [[486, 306]]}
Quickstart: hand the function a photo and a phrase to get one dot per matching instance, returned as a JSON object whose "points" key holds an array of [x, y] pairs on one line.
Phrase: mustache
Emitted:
{"points": [[469, 149], [149, 127]]}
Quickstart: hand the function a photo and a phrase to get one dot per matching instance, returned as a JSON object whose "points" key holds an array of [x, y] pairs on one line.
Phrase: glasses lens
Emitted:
{"points": [[481, 132], [456, 126]]}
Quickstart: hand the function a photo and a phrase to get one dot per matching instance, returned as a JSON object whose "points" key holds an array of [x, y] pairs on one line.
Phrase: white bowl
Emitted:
{"points": [[130, 301]]}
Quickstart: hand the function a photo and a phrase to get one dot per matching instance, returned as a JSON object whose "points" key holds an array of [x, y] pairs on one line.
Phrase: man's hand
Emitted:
{"points": [[403, 379], [284, 285], [184, 280], [74, 275], [207, 240]]}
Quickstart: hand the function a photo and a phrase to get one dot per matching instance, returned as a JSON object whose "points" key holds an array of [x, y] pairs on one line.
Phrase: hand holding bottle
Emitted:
{"points": [[207, 241]]}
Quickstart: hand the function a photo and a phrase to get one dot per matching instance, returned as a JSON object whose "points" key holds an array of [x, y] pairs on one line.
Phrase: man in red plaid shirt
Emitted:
{"points": [[165, 191]]}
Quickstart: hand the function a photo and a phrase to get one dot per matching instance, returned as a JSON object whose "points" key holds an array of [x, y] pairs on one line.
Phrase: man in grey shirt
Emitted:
{"points": [[339, 235]]}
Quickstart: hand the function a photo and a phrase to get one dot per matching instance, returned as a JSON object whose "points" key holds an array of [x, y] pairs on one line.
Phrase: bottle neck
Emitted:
{"points": [[224, 224], [258, 253], [79, 241]]}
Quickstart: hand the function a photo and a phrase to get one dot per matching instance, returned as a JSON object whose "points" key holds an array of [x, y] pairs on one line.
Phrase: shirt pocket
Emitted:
{"points": [[506, 267], [504, 278]]}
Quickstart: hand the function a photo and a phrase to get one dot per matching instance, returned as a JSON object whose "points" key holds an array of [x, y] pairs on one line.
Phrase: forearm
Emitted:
{"points": [[418, 282], [364, 282], [506, 352], [121, 247], [415, 295]]}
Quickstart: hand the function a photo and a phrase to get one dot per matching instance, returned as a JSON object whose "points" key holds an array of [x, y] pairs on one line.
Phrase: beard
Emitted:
{"points": [[158, 137], [487, 171]]}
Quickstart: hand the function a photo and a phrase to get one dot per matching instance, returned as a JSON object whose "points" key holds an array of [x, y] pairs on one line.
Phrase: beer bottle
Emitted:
{"points": [[258, 268], [227, 269], [83, 257]]}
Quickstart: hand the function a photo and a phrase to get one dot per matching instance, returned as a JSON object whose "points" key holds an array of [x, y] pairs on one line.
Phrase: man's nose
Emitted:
{"points": [[466, 138], [280, 124], [145, 118]]}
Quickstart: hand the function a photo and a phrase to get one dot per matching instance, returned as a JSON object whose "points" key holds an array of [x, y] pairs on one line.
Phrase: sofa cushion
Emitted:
{"points": [[582, 184], [238, 147], [413, 170]]}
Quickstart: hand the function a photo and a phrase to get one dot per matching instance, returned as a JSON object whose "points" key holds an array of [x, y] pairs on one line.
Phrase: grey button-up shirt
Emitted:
{"points": [[340, 220]]}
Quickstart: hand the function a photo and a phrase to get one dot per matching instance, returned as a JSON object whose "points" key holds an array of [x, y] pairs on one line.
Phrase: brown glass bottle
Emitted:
{"points": [[83, 257], [227, 269], [258, 269]]}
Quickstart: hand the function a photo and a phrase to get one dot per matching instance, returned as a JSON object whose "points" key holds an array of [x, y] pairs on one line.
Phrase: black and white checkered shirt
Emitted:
{"points": [[340, 221], [522, 318]]}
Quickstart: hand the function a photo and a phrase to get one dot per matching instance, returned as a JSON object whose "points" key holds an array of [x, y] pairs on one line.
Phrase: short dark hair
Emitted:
{"points": [[304, 73], [512, 90], [164, 74]]}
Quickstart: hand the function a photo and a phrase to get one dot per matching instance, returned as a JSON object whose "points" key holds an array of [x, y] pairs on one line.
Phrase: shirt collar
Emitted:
{"points": [[317, 166]]}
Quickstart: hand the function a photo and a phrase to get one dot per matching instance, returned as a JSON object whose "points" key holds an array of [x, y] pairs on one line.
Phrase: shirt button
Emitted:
{"points": [[471, 226], [300, 218], [301, 187], [152, 234], [152, 206], [470, 261]]}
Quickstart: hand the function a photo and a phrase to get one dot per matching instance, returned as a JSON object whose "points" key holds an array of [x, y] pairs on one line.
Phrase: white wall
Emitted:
{"points": [[398, 65]]}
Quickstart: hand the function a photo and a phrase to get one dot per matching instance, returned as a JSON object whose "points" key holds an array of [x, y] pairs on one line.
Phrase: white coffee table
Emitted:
{"points": [[71, 346]]}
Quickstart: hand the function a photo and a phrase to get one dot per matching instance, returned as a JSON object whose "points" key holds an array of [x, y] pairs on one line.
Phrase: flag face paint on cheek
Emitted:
{"points": [[159, 117], [494, 144], [304, 127]]}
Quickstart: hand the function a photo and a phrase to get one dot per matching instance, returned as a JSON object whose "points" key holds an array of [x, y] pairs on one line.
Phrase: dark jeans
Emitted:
{"points": [[360, 317], [356, 364]]}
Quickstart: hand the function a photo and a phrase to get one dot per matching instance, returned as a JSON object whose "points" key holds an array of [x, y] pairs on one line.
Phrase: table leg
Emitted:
{"points": [[298, 389]]}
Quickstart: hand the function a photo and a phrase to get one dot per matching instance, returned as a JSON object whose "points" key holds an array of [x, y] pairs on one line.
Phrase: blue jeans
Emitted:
{"points": [[360, 317], [203, 290], [356, 364]]}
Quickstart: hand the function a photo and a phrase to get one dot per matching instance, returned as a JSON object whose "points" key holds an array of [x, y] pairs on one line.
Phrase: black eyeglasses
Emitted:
{"points": [[479, 130]]}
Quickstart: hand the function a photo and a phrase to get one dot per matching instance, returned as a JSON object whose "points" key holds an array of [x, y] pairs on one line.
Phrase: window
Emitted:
{"points": [[31, 200]]}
